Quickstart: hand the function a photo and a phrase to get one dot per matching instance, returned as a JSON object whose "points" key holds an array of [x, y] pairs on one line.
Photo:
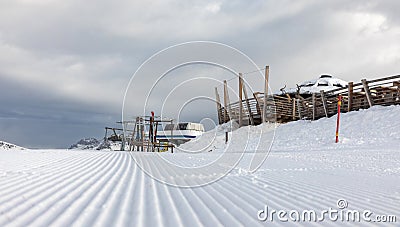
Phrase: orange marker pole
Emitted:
{"points": [[338, 118]]}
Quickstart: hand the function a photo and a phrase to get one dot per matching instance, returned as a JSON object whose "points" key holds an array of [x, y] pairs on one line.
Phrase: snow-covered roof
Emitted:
{"points": [[324, 82]]}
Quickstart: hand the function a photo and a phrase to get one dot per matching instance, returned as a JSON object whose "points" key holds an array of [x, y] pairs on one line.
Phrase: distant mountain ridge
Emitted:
{"points": [[95, 144], [86, 144], [10, 146]]}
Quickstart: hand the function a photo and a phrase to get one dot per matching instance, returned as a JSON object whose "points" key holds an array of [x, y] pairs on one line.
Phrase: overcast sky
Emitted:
{"points": [[65, 65]]}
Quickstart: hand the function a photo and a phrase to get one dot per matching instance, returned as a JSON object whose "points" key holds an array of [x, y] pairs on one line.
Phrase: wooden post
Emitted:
{"points": [[248, 104], [226, 103], [313, 106], [294, 109], [240, 100], [350, 98], [397, 98], [264, 115], [299, 108], [324, 103], [218, 100], [259, 111], [367, 92]]}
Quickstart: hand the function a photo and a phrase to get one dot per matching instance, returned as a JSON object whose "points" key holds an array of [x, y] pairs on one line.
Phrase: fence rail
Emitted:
{"points": [[281, 108]]}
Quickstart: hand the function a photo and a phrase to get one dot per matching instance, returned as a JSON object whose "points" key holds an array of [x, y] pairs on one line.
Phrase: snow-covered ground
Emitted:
{"points": [[305, 170], [9, 146], [375, 127]]}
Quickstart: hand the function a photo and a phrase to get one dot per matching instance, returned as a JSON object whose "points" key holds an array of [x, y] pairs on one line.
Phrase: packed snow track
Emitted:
{"points": [[102, 188]]}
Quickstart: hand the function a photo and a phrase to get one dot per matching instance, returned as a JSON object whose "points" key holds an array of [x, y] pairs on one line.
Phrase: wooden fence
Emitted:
{"points": [[285, 108]]}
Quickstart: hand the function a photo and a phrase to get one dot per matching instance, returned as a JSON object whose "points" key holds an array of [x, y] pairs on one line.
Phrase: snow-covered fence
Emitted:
{"points": [[362, 95], [383, 91]]}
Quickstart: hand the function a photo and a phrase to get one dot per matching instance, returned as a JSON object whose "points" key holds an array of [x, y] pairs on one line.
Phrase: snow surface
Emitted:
{"points": [[9, 146], [304, 170], [377, 126], [316, 85]]}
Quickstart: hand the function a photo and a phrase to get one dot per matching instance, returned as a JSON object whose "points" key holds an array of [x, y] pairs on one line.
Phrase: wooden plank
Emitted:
{"points": [[397, 98], [324, 102], [226, 103], [385, 78], [350, 99], [251, 118], [299, 108], [226, 113], [313, 106], [219, 107], [259, 111], [367, 92], [294, 109]]}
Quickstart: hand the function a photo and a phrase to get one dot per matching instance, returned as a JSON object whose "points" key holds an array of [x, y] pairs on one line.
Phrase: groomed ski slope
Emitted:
{"points": [[305, 170]]}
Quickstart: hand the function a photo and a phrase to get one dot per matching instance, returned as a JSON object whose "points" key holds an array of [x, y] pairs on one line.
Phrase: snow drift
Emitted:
{"points": [[324, 82], [376, 126], [10, 146]]}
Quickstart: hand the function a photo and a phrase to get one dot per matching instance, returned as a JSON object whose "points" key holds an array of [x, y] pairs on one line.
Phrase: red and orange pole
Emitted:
{"points": [[338, 117]]}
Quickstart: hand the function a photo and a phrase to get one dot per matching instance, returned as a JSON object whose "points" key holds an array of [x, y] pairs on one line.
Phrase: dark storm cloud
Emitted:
{"points": [[64, 65], [36, 118]]}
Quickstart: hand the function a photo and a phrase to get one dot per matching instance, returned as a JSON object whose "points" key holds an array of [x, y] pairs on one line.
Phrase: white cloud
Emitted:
{"points": [[213, 7], [369, 23]]}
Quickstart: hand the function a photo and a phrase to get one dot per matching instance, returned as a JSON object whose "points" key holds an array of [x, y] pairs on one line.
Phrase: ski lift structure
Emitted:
{"points": [[141, 134]]}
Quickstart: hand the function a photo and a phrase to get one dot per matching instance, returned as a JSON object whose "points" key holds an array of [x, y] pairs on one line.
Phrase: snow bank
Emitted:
{"points": [[245, 138], [210, 140], [377, 126], [9, 146], [325, 82]]}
